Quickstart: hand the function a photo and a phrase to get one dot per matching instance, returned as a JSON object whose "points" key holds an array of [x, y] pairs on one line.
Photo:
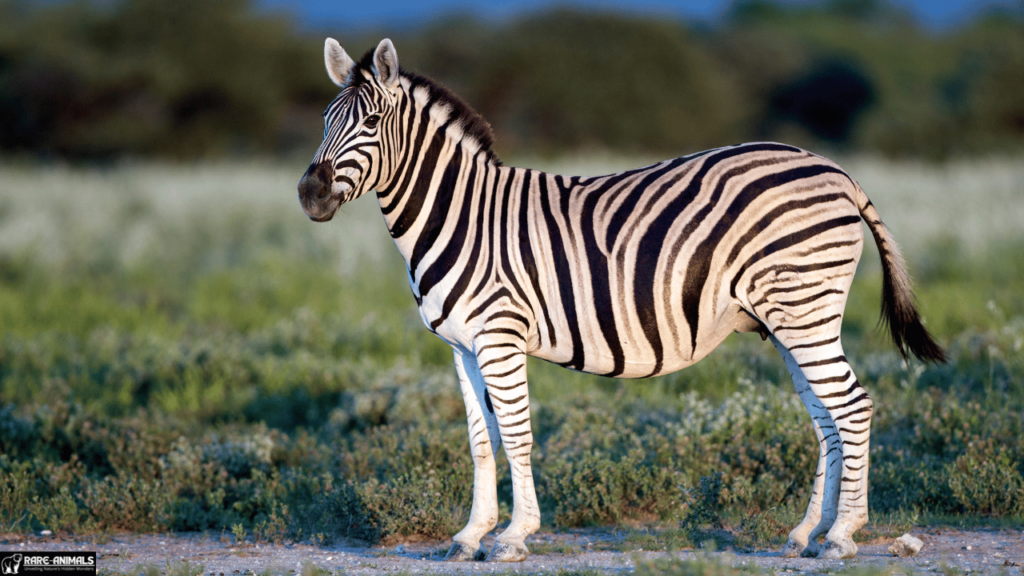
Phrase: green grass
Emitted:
{"points": [[183, 350]]}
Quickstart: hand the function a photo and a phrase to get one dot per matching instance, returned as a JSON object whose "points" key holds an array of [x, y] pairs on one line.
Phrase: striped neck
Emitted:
{"points": [[437, 161]]}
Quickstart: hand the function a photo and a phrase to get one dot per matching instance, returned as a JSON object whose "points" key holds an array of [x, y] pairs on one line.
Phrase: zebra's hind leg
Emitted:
{"points": [[819, 358], [483, 443], [821, 511]]}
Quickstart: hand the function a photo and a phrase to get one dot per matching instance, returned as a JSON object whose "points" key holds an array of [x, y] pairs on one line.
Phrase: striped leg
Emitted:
{"points": [[819, 357], [483, 442], [821, 512], [503, 367]]}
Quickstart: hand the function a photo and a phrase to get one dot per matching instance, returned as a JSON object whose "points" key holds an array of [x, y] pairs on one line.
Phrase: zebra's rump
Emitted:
{"points": [[655, 267]]}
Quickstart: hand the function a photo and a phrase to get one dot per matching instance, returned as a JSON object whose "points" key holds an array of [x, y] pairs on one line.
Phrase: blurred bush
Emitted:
{"points": [[92, 80], [145, 77]]}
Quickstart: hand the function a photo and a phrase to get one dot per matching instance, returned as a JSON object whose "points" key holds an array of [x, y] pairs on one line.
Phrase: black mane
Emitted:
{"points": [[473, 123]]}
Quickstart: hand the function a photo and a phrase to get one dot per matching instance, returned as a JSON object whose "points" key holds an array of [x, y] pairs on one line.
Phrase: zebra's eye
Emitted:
{"points": [[371, 121]]}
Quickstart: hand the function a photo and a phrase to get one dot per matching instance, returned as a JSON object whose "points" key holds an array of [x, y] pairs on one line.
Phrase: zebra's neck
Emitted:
{"points": [[442, 177]]}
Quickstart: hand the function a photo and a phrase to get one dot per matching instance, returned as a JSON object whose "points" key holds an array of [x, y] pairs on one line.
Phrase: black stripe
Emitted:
{"points": [[813, 344], [509, 314], [603, 306], [490, 230], [853, 412], [503, 374], [498, 295], [810, 299], [438, 211], [497, 345], [509, 387], [525, 249], [506, 402], [514, 424], [833, 379], [815, 324], [829, 246], [502, 240], [839, 358], [497, 360], [564, 274], [520, 411], [841, 394], [507, 331], [771, 291], [847, 403]]}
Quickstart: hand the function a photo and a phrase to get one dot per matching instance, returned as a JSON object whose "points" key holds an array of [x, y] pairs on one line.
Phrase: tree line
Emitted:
{"points": [[95, 80]]}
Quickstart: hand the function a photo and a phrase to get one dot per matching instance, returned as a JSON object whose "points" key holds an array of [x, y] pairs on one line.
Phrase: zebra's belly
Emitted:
{"points": [[635, 356], [640, 364]]}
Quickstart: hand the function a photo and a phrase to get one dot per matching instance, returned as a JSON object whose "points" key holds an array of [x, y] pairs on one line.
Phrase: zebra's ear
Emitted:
{"points": [[338, 63], [385, 60]]}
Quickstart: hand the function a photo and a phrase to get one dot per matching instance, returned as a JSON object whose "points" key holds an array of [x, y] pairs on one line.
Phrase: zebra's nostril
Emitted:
{"points": [[316, 182], [311, 187], [324, 172]]}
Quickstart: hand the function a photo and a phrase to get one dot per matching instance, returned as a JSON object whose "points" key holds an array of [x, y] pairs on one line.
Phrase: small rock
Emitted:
{"points": [[400, 549], [906, 545], [46, 533]]}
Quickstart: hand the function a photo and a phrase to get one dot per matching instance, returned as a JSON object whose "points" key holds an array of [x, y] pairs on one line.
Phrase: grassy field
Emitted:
{"points": [[183, 350]]}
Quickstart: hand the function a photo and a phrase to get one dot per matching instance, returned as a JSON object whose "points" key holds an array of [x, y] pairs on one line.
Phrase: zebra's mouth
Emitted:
{"points": [[327, 215]]}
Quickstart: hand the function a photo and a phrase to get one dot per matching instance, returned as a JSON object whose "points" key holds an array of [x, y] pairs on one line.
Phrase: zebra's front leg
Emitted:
{"points": [[503, 367], [483, 444]]}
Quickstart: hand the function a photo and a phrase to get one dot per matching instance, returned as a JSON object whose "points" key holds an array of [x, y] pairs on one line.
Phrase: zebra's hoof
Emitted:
{"points": [[838, 549], [792, 549], [811, 550], [461, 553], [502, 552]]}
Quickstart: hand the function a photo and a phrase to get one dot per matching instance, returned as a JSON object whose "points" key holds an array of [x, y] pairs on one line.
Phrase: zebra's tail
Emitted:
{"points": [[898, 309]]}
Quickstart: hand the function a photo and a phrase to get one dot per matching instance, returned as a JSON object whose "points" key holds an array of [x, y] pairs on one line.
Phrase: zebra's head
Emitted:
{"points": [[355, 156]]}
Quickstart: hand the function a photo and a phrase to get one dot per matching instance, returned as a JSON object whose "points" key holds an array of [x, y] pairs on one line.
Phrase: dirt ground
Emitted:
{"points": [[945, 551]]}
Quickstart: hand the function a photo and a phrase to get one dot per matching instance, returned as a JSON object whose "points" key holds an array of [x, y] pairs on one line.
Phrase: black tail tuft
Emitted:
{"points": [[898, 309]]}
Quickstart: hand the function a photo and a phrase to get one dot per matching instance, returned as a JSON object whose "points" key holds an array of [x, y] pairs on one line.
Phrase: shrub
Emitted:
{"points": [[597, 489], [986, 480]]}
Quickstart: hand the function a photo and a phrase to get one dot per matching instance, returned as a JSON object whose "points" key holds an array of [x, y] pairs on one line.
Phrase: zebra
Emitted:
{"points": [[627, 275]]}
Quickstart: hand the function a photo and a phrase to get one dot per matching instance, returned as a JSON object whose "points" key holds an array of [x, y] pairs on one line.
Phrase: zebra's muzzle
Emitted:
{"points": [[315, 192]]}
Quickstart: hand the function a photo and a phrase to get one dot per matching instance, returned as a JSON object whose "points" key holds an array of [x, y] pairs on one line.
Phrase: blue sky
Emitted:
{"points": [[319, 13]]}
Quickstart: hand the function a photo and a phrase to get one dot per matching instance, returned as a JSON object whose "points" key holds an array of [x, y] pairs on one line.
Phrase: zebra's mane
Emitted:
{"points": [[473, 124]]}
